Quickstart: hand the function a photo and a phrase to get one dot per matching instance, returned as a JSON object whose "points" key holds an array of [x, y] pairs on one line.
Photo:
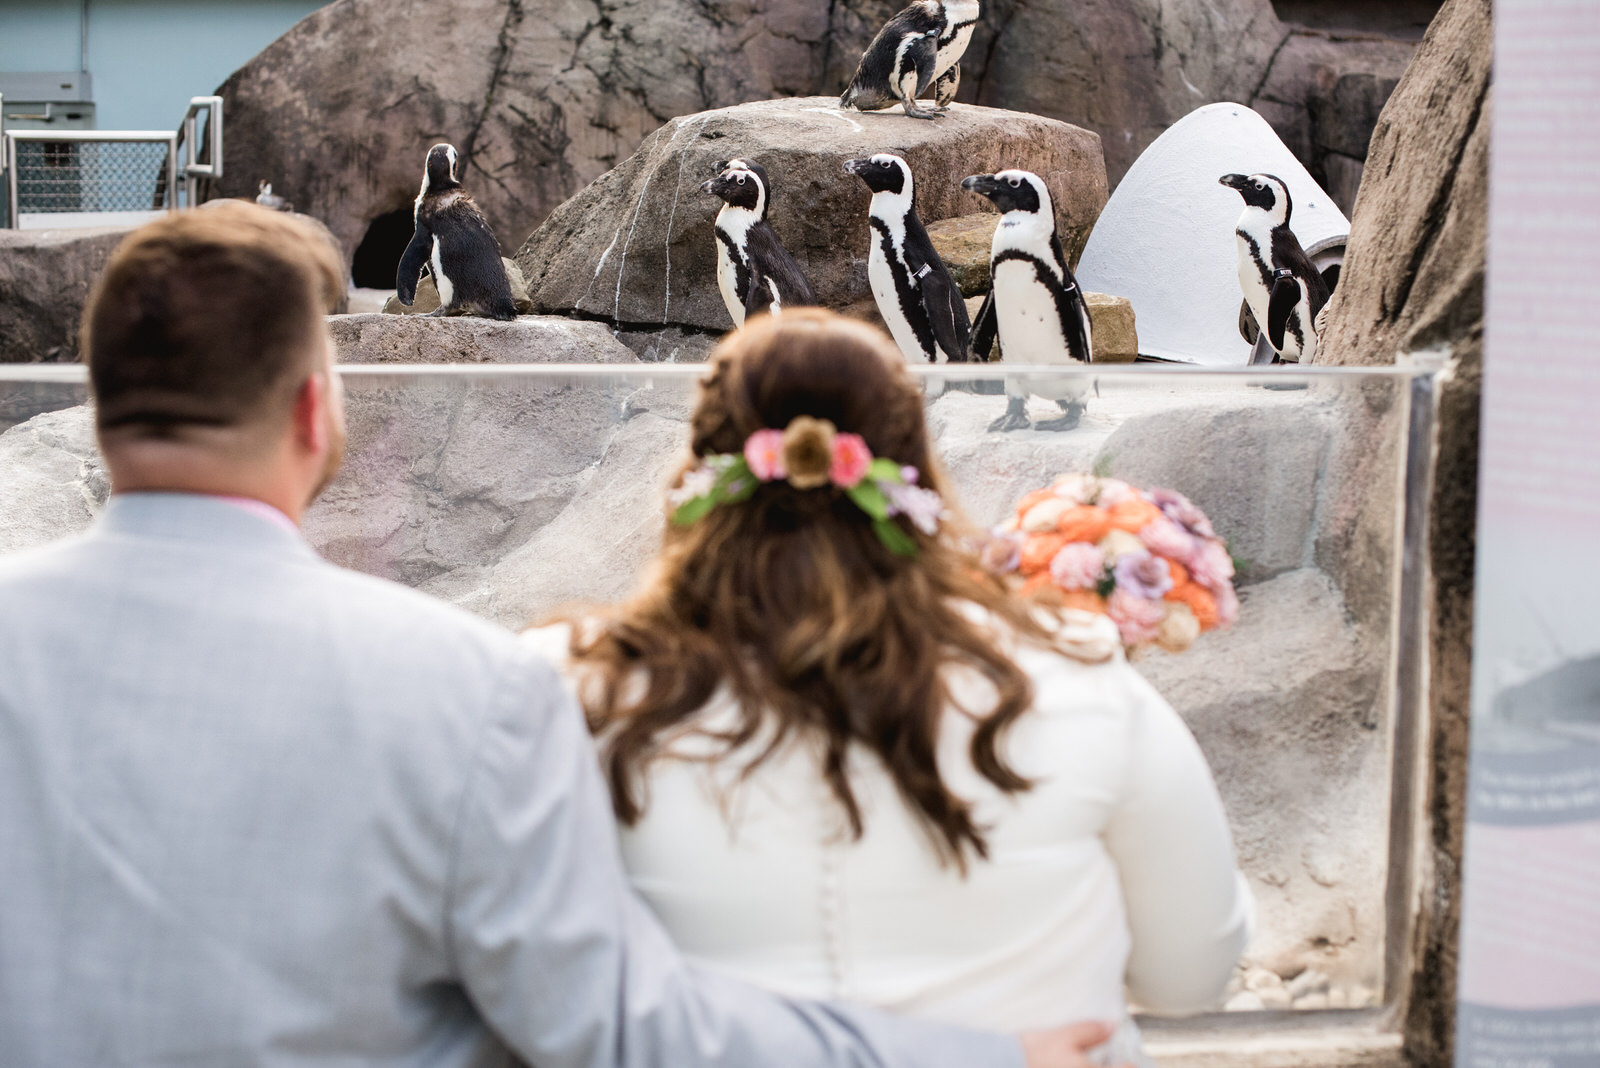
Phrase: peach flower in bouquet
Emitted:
{"points": [[1149, 559]]}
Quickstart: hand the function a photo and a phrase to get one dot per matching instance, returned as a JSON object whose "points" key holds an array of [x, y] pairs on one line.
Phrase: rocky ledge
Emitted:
{"points": [[636, 247]]}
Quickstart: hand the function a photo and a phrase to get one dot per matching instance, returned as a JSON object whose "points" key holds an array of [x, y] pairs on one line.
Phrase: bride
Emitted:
{"points": [[850, 765]]}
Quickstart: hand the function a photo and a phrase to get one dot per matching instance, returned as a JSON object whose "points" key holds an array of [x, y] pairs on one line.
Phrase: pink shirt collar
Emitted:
{"points": [[260, 509]]}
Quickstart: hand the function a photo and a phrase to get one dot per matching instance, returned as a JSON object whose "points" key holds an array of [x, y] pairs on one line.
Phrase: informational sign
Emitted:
{"points": [[1529, 983]]}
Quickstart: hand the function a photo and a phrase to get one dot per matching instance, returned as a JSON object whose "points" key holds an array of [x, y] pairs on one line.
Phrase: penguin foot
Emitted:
{"points": [[1016, 417], [915, 112], [1071, 413], [438, 313]]}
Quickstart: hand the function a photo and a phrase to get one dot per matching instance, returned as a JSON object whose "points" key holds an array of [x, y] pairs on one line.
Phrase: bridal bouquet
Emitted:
{"points": [[1149, 559]]}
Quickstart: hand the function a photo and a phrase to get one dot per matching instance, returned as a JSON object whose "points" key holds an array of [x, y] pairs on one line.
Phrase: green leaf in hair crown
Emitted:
{"points": [[884, 490]]}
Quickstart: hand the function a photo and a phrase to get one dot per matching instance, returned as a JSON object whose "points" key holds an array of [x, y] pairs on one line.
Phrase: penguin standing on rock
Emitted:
{"points": [[1034, 303], [268, 199], [918, 48], [454, 240], [754, 271], [1282, 289], [916, 296]]}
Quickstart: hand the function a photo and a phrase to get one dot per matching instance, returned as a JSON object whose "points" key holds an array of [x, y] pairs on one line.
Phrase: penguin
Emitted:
{"points": [[267, 199], [754, 271], [1035, 304], [1283, 291], [916, 296], [454, 241], [918, 48]]}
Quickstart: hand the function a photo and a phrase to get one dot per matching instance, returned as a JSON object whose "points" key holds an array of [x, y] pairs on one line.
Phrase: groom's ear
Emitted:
{"points": [[310, 414]]}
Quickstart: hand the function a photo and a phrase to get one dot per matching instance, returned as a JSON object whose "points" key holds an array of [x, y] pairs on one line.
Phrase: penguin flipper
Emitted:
{"points": [[947, 312], [944, 89], [984, 330], [411, 263], [1248, 328], [922, 55], [1285, 296], [761, 296]]}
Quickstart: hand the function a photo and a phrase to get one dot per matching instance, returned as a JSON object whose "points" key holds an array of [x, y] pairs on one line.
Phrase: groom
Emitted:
{"points": [[259, 810]]}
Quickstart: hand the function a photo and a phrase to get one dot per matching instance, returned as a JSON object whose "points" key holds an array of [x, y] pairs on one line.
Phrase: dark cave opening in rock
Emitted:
{"points": [[377, 258], [1402, 19]]}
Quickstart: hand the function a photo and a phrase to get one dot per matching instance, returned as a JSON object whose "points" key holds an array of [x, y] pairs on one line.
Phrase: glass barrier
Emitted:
{"points": [[514, 491]]}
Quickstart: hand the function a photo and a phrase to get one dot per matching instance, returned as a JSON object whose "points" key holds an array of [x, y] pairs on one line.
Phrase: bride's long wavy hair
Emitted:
{"points": [[790, 601]]}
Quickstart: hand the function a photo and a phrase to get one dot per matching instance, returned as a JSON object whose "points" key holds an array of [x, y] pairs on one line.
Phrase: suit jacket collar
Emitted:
{"points": [[197, 518]]}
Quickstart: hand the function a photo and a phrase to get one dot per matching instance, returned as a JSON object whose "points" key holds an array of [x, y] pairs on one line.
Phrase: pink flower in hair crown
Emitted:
{"points": [[764, 453], [851, 458], [811, 454]]}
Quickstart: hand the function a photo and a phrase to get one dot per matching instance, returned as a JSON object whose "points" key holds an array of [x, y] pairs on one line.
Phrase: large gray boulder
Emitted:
{"points": [[379, 338], [52, 481], [45, 276], [540, 96], [637, 245]]}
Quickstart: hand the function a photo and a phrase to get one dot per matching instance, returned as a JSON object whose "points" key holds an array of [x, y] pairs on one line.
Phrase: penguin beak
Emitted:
{"points": [[982, 184], [1234, 181], [854, 166], [712, 185]]}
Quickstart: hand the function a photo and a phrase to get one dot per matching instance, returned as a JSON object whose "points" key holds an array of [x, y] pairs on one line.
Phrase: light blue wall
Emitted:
{"points": [[147, 57]]}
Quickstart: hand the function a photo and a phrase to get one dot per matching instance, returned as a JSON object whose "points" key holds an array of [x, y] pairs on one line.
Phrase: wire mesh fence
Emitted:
{"points": [[84, 176]]}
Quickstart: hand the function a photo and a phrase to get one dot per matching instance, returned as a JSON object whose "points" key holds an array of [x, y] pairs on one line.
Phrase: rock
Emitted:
{"points": [[1324, 92], [1244, 1001], [51, 478], [1307, 983], [1313, 1001], [1295, 678], [637, 245], [1269, 523], [426, 298], [963, 243], [467, 339], [539, 96], [45, 277], [543, 96], [365, 300], [616, 518], [1111, 321], [669, 344], [1413, 280], [1115, 336]]}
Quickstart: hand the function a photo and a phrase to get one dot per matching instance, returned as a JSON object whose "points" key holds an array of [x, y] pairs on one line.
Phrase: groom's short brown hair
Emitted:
{"points": [[209, 317]]}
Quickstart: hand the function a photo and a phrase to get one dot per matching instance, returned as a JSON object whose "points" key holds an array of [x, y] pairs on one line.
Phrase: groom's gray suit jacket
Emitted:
{"points": [[259, 810]]}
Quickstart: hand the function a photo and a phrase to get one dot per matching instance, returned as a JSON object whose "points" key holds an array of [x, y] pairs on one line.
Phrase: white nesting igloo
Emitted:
{"points": [[1165, 239]]}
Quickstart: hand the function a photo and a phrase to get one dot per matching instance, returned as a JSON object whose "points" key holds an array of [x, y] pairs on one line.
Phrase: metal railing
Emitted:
{"points": [[95, 172]]}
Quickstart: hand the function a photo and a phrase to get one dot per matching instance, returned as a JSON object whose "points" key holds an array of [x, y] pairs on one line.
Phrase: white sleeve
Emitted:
{"points": [[1190, 911]]}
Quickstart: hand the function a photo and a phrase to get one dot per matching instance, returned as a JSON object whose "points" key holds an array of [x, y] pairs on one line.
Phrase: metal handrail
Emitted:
{"points": [[187, 135], [193, 169]]}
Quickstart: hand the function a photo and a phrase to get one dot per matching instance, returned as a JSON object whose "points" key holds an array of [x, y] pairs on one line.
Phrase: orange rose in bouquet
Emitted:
{"points": [[1149, 559]]}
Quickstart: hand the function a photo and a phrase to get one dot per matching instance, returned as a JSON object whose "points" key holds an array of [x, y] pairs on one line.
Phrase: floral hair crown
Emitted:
{"points": [[809, 454]]}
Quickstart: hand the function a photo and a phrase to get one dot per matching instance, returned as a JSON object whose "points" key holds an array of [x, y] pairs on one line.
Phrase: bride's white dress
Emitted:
{"points": [[1113, 877]]}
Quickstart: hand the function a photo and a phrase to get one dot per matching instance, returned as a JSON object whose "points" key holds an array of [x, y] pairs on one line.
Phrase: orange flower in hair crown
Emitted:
{"points": [[1149, 559], [811, 454]]}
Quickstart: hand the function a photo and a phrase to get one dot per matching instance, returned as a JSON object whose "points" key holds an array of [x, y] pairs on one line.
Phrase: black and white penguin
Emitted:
{"points": [[268, 199], [918, 48], [754, 271], [454, 241], [1283, 291], [1035, 304], [919, 302]]}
